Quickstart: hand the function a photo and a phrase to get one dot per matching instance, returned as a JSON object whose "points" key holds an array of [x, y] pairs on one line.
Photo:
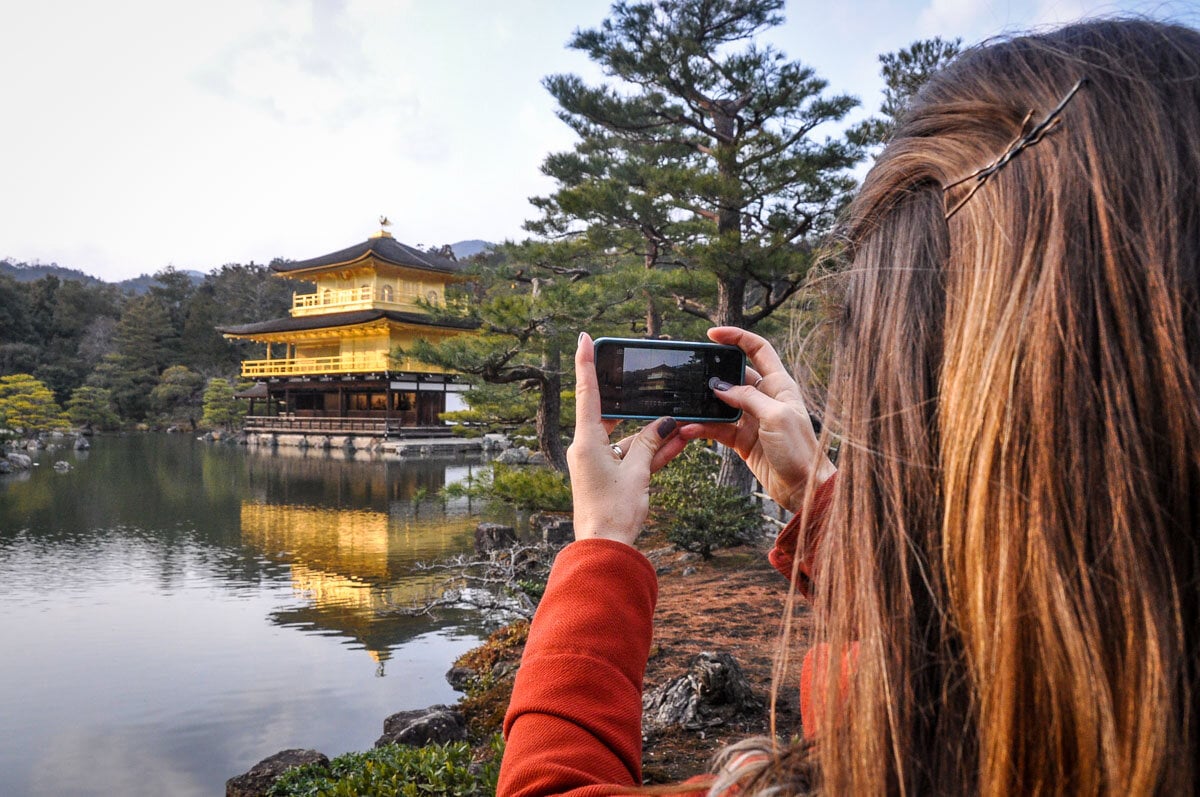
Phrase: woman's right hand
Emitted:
{"points": [[775, 435]]}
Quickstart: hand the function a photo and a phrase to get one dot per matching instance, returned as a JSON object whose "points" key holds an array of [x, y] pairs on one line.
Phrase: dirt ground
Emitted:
{"points": [[732, 603]]}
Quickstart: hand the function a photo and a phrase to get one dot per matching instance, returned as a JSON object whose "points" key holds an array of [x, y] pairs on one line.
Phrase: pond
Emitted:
{"points": [[175, 611]]}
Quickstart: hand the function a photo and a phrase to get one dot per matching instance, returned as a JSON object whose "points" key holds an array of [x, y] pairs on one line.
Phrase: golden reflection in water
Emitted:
{"points": [[354, 567]]}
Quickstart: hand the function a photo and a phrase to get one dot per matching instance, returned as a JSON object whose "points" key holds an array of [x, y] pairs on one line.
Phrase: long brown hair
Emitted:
{"points": [[1012, 546]]}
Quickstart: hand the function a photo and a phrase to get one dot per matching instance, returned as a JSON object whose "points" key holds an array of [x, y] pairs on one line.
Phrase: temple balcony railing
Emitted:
{"points": [[341, 301], [360, 363]]}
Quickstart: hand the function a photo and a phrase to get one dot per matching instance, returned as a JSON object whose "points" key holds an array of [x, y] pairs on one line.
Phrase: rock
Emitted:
{"points": [[62, 466], [688, 571], [20, 461], [494, 537], [514, 456], [459, 678], [495, 442], [538, 458], [6, 466], [35, 445], [82, 444], [262, 776], [713, 691], [433, 725], [553, 528]]}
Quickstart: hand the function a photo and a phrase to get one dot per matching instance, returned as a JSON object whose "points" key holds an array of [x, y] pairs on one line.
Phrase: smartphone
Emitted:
{"points": [[650, 378]]}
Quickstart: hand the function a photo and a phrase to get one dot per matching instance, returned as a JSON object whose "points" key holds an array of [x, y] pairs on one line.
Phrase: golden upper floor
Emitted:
{"points": [[378, 274]]}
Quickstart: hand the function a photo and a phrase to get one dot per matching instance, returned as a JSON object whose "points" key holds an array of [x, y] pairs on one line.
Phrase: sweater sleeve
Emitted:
{"points": [[800, 537], [574, 723]]}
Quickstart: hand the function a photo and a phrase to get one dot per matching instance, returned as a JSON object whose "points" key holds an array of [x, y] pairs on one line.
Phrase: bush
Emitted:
{"points": [[525, 487], [697, 514], [396, 770], [92, 406], [27, 404]]}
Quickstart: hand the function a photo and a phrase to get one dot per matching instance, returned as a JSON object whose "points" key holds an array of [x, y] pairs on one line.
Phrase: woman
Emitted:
{"points": [[1008, 576]]}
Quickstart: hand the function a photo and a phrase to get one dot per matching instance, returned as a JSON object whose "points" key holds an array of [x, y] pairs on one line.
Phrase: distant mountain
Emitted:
{"points": [[464, 249], [27, 272], [32, 272]]}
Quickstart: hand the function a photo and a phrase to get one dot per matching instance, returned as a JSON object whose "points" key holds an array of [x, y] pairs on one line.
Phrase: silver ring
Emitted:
{"points": [[758, 381], [616, 449]]}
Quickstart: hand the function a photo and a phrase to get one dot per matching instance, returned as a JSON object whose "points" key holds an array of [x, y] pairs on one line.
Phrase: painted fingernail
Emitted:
{"points": [[665, 427], [580, 340], [716, 383]]}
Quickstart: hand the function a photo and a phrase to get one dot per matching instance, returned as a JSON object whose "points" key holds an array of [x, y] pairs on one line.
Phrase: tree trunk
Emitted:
{"points": [[731, 285], [549, 412], [653, 315]]}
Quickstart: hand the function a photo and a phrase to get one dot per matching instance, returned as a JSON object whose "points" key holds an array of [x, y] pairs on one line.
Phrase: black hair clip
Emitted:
{"points": [[1027, 138]]}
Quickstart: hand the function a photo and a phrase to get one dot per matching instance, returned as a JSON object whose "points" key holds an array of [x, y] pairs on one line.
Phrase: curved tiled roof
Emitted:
{"points": [[385, 248], [306, 322]]}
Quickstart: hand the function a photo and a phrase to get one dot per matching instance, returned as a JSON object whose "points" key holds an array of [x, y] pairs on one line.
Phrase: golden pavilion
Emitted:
{"points": [[329, 368]]}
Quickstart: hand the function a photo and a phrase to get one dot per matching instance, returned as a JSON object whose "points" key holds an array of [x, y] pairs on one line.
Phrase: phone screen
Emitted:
{"points": [[652, 378]]}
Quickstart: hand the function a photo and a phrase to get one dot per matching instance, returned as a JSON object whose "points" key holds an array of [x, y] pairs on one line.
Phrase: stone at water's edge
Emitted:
{"points": [[20, 461], [493, 537], [262, 776], [554, 528], [433, 725]]}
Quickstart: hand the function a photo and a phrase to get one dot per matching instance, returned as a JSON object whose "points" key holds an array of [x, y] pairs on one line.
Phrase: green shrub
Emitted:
{"points": [[396, 771], [525, 487], [697, 514]]}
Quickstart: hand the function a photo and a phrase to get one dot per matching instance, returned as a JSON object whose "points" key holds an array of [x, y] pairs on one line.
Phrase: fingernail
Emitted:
{"points": [[665, 427], [716, 383], [580, 340]]}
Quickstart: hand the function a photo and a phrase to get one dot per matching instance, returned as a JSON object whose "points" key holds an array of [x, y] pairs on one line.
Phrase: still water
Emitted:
{"points": [[174, 611]]}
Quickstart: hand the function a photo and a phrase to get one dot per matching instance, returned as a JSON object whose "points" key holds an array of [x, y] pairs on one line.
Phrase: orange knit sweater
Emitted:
{"points": [[573, 726]]}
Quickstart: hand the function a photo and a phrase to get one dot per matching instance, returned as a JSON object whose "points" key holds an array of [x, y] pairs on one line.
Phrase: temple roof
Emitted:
{"points": [[301, 323], [384, 247]]}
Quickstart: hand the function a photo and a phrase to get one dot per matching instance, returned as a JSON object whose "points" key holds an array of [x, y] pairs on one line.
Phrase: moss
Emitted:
{"points": [[484, 710], [502, 647], [492, 666]]}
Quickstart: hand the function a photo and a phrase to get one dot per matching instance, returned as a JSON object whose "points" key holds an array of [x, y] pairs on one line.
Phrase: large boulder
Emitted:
{"points": [[433, 725], [713, 691], [262, 776], [81, 443]]}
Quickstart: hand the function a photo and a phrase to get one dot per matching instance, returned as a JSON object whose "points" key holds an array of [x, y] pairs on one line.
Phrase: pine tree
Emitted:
{"points": [[904, 72], [177, 396], [28, 405], [748, 187], [531, 301], [92, 407], [221, 409]]}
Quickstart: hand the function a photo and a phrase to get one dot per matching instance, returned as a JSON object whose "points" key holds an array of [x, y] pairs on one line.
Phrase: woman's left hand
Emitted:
{"points": [[611, 491]]}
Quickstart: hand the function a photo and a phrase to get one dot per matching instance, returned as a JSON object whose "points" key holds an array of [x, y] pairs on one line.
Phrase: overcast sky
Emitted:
{"points": [[137, 134]]}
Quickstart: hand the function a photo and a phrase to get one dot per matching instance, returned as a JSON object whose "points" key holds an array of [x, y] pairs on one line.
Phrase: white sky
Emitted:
{"points": [[136, 134]]}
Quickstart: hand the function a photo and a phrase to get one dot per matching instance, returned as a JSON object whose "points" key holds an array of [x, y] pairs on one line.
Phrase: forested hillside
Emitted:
{"points": [[151, 351]]}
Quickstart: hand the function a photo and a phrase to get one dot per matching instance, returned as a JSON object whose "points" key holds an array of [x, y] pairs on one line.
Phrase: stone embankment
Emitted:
{"points": [[497, 446]]}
